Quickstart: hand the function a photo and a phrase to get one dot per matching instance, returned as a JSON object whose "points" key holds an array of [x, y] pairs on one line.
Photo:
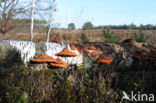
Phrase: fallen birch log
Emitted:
{"points": [[24, 51]]}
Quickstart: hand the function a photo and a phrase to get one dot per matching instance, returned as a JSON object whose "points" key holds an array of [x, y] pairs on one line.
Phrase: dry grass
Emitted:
{"points": [[74, 35]]}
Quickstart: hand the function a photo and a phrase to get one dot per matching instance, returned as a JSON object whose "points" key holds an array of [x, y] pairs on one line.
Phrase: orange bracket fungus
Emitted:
{"points": [[44, 58], [59, 65], [104, 60], [92, 48], [66, 53]]}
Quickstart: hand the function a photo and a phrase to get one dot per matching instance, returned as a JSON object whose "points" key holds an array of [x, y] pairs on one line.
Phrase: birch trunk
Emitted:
{"points": [[32, 20], [51, 20]]}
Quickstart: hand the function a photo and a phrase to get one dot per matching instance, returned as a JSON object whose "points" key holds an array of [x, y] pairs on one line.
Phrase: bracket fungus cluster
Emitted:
{"points": [[27, 51], [152, 54], [58, 63], [58, 54], [144, 55], [62, 60], [93, 51], [103, 58], [71, 57], [61, 55], [66, 52]]}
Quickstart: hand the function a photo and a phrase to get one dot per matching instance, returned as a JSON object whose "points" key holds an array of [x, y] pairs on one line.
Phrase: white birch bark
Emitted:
{"points": [[32, 20], [51, 20]]}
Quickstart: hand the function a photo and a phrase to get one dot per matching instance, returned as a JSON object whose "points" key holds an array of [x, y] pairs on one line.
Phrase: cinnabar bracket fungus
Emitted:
{"points": [[104, 60], [58, 41], [64, 65], [152, 56], [144, 57], [136, 57], [92, 47], [140, 55], [43, 59], [138, 51], [59, 61], [77, 42], [73, 47], [92, 51], [153, 51], [81, 50], [66, 53], [59, 64]]}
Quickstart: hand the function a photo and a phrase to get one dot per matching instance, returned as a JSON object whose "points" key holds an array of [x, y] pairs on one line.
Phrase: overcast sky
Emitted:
{"points": [[105, 12]]}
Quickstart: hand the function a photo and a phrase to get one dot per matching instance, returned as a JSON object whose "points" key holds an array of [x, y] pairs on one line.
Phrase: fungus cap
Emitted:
{"points": [[104, 59], [58, 41], [44, 58], [59, 61], [92, 48], [73, 47], [64, 65], [137, 57], [153, 51], [77, 42], [138, 51], [66, 53]]}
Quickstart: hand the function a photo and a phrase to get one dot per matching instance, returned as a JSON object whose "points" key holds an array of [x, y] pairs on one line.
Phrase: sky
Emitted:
{"points": [[105, 12]]}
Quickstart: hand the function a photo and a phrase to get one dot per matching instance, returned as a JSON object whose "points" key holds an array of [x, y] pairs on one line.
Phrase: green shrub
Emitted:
{"points": [[89, 83], [109, 36], [139, 37], [84, 37]]}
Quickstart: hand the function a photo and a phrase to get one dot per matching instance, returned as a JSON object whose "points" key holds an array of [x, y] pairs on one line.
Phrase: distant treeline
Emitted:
{"points": [[131, 26]]}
